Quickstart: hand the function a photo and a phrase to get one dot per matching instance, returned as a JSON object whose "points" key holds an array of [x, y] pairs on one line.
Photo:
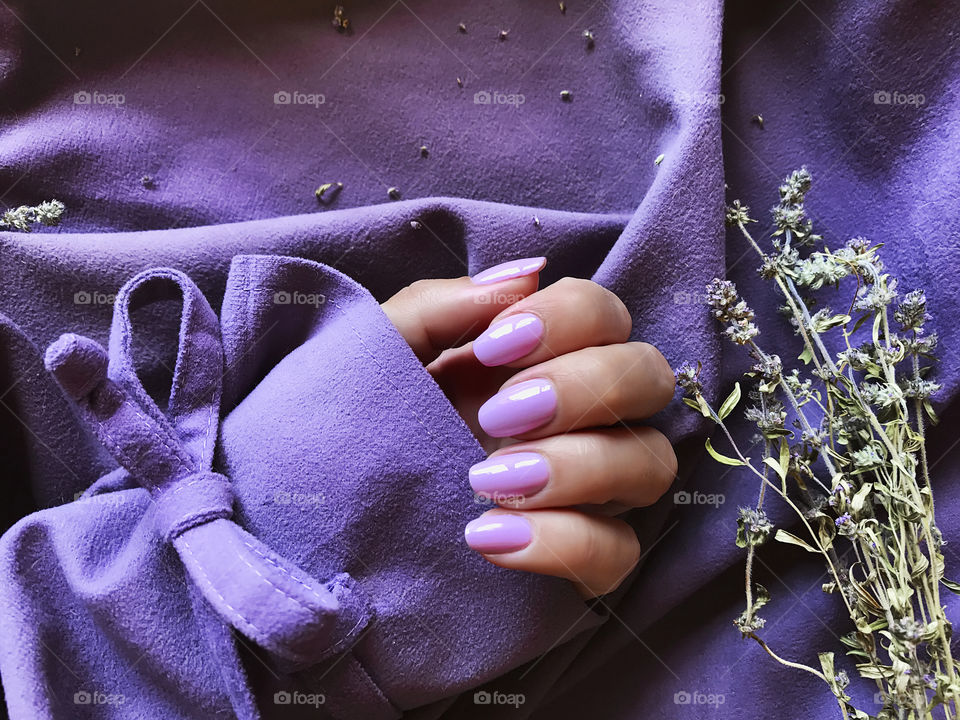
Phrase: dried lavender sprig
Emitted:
{"points": [[895, 471]]}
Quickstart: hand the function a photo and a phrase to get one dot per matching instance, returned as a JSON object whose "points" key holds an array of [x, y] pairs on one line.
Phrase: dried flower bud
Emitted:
{"points": [[738, 214], [22, 219], [753, 527], [912, 312], [688, 378]]}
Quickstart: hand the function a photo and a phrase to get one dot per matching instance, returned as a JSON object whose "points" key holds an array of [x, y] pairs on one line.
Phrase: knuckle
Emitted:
{"points": [[663, 464], [662, 382], [413, 294], [632, 550], [603, 313], [589, 550], [628, 554]]}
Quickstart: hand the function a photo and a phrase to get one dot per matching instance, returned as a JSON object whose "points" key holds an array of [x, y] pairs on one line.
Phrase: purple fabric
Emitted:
{"points": [[347, 465]]}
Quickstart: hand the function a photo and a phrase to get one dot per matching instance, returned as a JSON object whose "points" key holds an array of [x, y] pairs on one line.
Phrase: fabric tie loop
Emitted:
{"points": [[193, 500]]}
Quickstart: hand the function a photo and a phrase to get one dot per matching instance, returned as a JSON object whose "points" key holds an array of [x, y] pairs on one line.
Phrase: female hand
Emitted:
{"points": [[548, 383]]}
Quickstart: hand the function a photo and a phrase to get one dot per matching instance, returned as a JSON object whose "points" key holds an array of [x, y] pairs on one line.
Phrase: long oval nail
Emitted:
{"points": [[518, 408], [511, 474], [498, 533], [508, 339], [509, 270]]}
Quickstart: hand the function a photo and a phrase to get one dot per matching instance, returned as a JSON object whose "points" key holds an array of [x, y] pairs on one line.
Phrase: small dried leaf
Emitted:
{"points": [[777, 467], [721, 458], [730, 403], [951, 585], [791, 539]]}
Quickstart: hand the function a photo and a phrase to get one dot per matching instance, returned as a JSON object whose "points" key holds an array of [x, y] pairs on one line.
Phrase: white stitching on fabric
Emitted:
{"points": [[306, 607], [284, 571], [209, 583]]}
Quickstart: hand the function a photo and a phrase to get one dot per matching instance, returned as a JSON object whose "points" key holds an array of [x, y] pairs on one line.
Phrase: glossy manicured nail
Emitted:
{"points": [[509, 339], [509, 270], [498, 533], [518, 408], [510, 474]]}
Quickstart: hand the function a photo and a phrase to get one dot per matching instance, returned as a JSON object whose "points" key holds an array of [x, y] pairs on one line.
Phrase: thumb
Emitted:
{"points": [[433, 315]]}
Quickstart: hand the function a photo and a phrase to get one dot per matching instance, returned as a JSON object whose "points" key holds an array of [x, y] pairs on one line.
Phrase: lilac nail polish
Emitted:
{"points": [[510, 474], [509, 270], [498, 533], [508, 339], [518, 408]]}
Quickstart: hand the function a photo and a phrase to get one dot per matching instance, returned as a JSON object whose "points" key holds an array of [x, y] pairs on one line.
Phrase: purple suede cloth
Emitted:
{"points": [[186, 140]]}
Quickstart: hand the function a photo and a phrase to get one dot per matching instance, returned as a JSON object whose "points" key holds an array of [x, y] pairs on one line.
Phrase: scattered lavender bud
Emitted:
{"points": [[393, 193], [566, 95], [148, 182], [462, 28], [659, 159], [459, 82], [503, 35], [341, 23], [424, 152], [536, 221], [757, 120], [563, 8], [588, 36], [416, 224], [328, 191]]}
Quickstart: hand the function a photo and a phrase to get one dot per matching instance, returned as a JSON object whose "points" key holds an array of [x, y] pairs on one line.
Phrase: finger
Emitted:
{"points": [[591, 387], [630, 466], [569, 315], [594, 552], [433, 315]]}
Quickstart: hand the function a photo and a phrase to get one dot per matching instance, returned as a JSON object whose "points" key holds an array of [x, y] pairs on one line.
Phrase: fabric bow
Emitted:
{"points": [[170, 453]]}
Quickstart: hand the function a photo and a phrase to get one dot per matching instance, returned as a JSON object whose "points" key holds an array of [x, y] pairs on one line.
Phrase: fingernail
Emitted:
{"points": [[509, 270], [517, 473], [498, 533], [519, 408], [509, 339]]}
